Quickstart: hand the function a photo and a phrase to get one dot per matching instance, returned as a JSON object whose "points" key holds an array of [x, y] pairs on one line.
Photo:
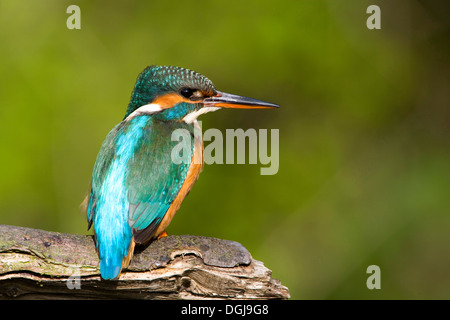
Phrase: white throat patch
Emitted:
{"points": [[191, 117], [145, 109]]}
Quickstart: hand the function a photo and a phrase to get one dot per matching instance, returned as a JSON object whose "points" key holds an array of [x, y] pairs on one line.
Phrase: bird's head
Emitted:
{"points": [[173, 93]]}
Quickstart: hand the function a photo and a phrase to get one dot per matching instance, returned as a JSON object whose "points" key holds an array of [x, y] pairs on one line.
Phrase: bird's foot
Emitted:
{"points": [[162, 235]]}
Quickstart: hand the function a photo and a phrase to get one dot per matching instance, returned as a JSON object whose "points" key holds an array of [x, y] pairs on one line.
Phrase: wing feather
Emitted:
{"points": [[154, 180]]}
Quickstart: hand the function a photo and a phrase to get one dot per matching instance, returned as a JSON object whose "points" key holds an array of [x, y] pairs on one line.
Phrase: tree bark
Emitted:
{"points": [[37, 264]]}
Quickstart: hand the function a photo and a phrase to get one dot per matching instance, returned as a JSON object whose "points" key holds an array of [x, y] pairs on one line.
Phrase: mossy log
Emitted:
{"points": [[37, 264]]}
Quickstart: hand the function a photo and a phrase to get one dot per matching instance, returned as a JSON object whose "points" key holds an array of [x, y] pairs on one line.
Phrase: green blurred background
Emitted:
{"points": [[364, 172]]}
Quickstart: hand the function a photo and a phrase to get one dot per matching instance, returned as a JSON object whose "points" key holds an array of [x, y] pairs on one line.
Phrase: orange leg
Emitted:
{"points": [[162, 235]]}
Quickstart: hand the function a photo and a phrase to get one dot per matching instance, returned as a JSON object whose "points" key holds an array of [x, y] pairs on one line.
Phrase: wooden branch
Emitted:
{"points": [[37, 264]]}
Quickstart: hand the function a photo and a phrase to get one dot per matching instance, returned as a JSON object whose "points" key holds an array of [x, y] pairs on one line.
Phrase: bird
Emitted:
{"points": [[136, 188]]}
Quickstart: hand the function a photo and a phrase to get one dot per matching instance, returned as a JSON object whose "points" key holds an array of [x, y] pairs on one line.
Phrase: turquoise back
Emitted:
{"points": [[133, 184]]}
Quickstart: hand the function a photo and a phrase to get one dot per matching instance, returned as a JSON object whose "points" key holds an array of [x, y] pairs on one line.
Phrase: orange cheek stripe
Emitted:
{"points": [[169, 100]]}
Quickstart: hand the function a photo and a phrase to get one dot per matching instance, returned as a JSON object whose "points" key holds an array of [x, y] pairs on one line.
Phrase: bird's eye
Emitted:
{"points": [[187, 92]]}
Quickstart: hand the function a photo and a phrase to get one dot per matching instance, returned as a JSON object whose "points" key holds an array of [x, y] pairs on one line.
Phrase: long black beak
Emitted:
{"points": [[227, 100]]}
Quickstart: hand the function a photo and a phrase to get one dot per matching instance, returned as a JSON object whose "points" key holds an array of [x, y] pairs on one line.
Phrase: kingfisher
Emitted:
{"points": [[136, 187]]}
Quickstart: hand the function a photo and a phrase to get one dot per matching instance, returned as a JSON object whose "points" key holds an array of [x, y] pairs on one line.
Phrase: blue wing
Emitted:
{"points": [[133, 184], [154, 180]]}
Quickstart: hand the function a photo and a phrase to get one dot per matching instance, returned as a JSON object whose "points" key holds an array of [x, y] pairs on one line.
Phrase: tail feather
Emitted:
{"points": [[112, 265], [110, 270]]}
